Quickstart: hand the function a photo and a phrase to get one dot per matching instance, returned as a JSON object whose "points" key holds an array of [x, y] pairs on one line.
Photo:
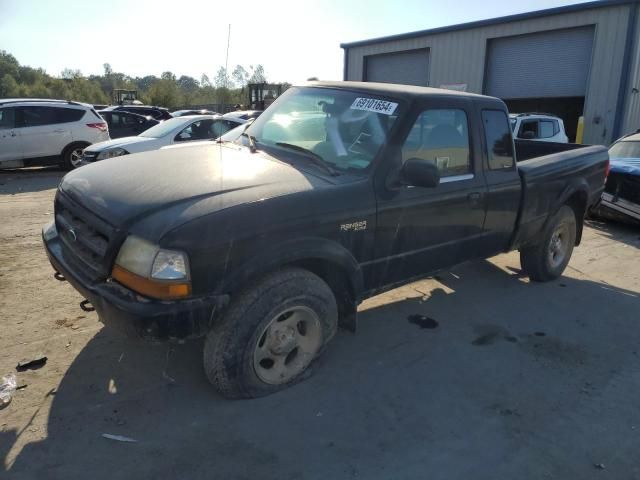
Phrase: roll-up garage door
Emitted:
{"points": [[408, 68], [546, 64]]}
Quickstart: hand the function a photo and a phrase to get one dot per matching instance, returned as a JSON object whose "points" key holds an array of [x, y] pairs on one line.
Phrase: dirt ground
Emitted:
{"points": [[505, 380]]}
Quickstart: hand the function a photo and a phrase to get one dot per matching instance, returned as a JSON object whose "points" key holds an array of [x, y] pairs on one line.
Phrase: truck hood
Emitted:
{"points": [[123, 142], [180, 184]]}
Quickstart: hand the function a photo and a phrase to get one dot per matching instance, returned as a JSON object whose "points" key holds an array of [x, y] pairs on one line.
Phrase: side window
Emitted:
{"points": [[556, 127], [528, 129], [546, 129], [220, 127], [7, 118], [37, 116], [499, 142], [128, 120], [67, 115], [441, 136]]}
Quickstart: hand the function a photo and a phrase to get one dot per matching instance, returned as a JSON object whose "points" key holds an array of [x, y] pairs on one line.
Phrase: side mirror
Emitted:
{"points": [[528, 135], [420, 173]]}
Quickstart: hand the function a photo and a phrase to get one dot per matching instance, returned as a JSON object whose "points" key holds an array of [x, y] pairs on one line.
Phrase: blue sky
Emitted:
{"points": [[292, 39]]}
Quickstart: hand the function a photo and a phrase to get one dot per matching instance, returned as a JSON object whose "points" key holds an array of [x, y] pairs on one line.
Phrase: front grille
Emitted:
{"points": [[88, 242], [626, 187]]}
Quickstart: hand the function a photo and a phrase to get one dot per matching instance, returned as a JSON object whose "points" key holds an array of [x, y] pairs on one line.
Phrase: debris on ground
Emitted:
{"points": [[7, 387], [423, 321], [32, 364], [599, 466], [119, 438]]}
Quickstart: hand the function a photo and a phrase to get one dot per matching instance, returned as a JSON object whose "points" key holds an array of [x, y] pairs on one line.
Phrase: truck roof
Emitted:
{"points": [[396, 90]]}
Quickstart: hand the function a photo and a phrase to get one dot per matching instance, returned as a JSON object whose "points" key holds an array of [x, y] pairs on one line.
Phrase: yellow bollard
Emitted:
{"points": [[580, 129]]}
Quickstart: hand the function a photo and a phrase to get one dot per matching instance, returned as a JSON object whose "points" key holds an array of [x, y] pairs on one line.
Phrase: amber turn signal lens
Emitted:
{"points": [[161, 290]]}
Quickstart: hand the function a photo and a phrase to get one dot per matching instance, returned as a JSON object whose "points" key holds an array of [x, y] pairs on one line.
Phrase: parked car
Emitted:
{"points": [[126, 124], [47, 132], [621, 198], [159, 113], [538, 126], [182, 113], [243, 114], [170, 132], [340, 190], [98, 107]]}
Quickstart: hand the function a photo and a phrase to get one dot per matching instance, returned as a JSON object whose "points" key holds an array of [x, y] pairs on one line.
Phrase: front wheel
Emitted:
{"points": [[72, 156], [271, 334], [547, 260]]}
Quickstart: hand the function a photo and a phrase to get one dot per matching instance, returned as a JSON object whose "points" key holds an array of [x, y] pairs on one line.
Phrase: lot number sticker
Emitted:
{"points": [[374, 105]]}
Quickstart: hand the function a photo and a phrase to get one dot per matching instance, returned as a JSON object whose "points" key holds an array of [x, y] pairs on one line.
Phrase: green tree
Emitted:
{"points": [[8, 86], [257, 74], [240, 76]]}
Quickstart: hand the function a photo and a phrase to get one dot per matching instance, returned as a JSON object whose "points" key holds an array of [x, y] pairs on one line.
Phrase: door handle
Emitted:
{"points": [[474, 198], [58, 131], [13, 134]]}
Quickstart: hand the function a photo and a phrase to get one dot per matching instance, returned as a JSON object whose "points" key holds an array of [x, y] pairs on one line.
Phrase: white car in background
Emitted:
{"points": [[47, 132], [175, 131], [541, 127]]}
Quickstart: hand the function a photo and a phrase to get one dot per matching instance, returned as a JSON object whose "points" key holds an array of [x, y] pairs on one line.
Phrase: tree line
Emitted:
{"points": [[168, 90]]}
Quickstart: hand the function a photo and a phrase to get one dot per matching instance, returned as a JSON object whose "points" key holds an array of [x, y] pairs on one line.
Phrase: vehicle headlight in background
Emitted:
{"points": [[151, 270], [114, 152]]}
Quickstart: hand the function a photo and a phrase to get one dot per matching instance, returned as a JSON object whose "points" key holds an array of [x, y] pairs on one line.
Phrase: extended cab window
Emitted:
{"points": [[499, 142], [441, 136]]}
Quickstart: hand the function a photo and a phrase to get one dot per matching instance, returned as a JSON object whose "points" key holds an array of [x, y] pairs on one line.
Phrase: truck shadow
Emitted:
{"points": [[506, 360]]}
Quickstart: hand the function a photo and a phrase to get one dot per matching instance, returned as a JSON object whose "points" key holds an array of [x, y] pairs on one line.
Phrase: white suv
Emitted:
{"points": [[541, 127], [45, 132]]}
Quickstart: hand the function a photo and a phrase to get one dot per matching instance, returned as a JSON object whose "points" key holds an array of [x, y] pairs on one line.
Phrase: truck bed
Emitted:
{"points": [[574, 173]]}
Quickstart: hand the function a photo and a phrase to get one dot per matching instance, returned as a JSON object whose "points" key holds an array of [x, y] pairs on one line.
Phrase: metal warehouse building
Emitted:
{"points": [[571, 61]]}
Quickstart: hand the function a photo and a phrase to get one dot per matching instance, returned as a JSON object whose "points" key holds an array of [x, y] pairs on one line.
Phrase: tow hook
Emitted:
{"points": [[86, 306], [58, 276]]}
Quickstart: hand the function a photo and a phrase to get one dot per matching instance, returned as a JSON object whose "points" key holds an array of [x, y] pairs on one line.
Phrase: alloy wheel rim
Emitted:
{"points": [[558, 245], [76, 157]]}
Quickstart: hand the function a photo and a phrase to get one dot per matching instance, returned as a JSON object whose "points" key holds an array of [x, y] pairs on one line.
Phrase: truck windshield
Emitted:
{"points": [[625, 150], [345, 129]]}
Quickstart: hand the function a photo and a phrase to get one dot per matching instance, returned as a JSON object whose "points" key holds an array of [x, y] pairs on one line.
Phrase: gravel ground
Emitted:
{"points": [[505, 379]]}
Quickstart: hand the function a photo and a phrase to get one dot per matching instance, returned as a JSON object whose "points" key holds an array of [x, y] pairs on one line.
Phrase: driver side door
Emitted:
{"points": [[421, 230]]}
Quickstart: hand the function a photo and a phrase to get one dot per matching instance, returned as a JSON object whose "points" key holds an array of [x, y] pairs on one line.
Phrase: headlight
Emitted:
{"points": [[150, 270], [114, 152]]}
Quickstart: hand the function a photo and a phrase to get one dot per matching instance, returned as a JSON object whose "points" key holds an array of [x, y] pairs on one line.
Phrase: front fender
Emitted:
{"points": [[301, 249]]}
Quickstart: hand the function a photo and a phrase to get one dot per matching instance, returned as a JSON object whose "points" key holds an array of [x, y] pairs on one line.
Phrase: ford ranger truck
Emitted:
{"points": [[337, 192]]}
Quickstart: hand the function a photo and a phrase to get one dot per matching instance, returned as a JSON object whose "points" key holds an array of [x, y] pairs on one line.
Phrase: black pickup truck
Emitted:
{"points": [[336, 192]]}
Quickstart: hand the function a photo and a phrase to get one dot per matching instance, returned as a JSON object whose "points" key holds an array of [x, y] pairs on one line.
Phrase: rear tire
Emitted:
{"points": [[72, 155], [547, 260], [270, 334]]}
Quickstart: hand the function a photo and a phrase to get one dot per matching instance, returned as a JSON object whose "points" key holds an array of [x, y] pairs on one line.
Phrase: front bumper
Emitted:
{"points": [[131, 313]]}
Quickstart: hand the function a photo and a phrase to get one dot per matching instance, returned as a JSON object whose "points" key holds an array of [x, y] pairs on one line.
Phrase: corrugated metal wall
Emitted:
{"points": [[459, 57], [631, 119]]}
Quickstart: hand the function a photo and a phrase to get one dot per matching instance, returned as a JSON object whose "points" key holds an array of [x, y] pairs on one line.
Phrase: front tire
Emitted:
{"points": [[547, 260], [271, 334]]}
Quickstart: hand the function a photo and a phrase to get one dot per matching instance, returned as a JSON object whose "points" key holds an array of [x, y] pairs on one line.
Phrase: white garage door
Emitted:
{"points": [[408, 68], [546, 64]]}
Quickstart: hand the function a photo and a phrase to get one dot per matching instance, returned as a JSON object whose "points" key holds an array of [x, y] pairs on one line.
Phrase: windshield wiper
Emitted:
{"points": [[317, 159], [252, 142]]}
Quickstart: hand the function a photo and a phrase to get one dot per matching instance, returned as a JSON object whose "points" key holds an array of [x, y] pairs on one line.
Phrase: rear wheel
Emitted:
{"points": [[72, 155], [547, 260], [271, 334]]}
